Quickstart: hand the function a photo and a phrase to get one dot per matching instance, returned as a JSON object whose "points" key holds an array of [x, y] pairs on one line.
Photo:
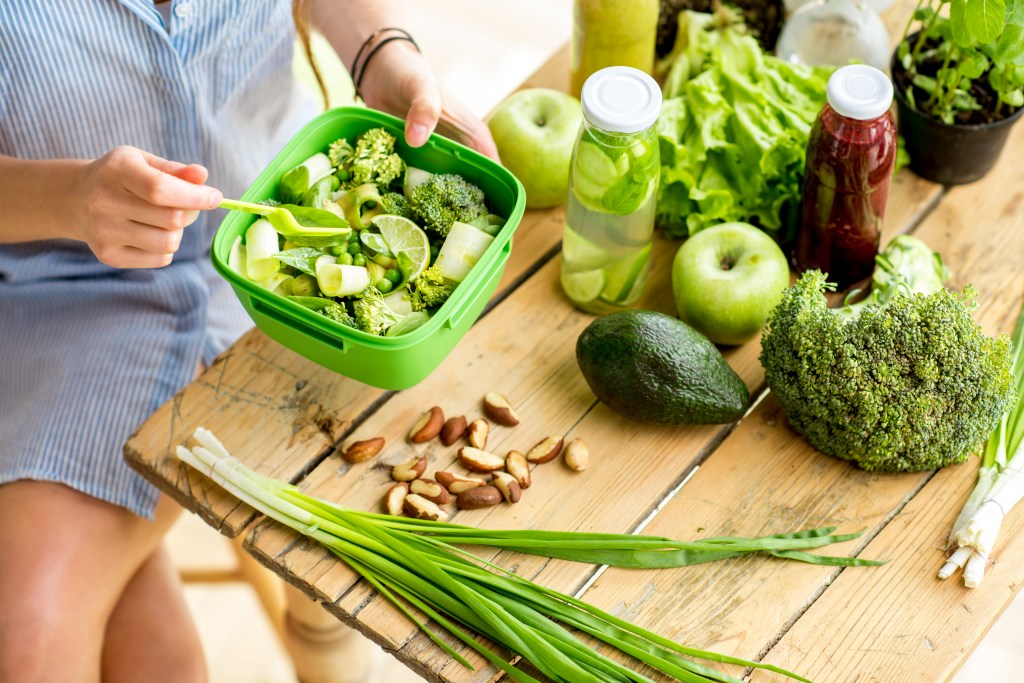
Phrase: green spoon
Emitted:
{"points": [[294, 221]]}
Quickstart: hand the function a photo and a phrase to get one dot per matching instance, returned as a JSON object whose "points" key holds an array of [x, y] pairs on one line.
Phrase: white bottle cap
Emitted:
{"points": [[621, 99], [859, 91]]}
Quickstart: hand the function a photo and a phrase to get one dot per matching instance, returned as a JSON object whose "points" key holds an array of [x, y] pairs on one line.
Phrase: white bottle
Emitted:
{"points": [[835, 32]]}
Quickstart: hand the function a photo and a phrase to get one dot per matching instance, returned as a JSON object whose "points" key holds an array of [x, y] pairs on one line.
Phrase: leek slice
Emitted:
{"points": [[461, 250], [261, 245], [236, 258], [336, 279]]}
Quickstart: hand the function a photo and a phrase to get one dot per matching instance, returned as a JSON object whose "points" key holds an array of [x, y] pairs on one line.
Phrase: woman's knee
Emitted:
{"points": [[42, 636]]}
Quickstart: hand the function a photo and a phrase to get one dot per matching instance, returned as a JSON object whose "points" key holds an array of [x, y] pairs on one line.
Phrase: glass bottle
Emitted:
{"points": [[613, 181], [850, 158], [835, 32], [611, 33]]}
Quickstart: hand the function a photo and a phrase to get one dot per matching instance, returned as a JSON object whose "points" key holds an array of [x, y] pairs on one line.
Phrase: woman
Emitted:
{"points": [[122, 122]]}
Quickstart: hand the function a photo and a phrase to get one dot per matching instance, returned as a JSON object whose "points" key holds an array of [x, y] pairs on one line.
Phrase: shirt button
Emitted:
{"points": [[183, 10]]}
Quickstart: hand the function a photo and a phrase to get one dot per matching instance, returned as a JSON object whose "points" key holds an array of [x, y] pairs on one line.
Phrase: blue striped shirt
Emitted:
{"points": [[89, 351]]}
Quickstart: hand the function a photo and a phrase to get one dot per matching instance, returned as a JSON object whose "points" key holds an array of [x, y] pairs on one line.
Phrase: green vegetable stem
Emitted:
{"points": [[416, 563]]}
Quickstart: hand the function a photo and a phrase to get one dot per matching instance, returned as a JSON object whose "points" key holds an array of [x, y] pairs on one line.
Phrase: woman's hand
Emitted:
{"points": [[400, 81], [134, 206]]}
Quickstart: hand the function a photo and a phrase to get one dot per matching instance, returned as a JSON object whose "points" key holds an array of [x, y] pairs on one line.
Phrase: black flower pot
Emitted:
{"points": [[949, 154]]}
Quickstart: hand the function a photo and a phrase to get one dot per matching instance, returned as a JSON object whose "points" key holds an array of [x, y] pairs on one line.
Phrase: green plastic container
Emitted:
{"points": [[386, 362]]}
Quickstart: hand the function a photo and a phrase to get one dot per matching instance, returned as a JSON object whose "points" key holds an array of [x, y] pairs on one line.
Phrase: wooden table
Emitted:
{"points": [[286, 417]]}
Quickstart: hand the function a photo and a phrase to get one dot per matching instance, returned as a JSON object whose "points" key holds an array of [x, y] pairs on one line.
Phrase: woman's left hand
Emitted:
{"points": [[399, 80]]}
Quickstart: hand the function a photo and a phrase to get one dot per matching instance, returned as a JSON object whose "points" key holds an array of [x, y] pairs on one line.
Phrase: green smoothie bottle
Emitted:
{"points": [[611, 33], [613, 182]]}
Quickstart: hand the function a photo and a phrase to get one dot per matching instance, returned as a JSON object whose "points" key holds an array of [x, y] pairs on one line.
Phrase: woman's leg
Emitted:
{"points": [[67, 559], [151, 635]]}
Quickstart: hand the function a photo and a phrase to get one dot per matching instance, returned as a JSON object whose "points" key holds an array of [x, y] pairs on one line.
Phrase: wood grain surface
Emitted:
{"points": [[287, 417]]}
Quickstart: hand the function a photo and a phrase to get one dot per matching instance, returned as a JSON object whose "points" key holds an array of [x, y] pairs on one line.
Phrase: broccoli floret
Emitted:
{"points": [[339, 314], [396, 204], [372, 314], [340, 153], [430, 289], [375, 160], [445, 198], [905, 382]]}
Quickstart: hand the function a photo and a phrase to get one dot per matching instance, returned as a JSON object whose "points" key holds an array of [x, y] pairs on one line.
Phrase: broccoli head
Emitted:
{"points": [[396, 204], [373, 316], [338, 314], [445, 198], [905, 383], [430, 289], [375, 160]]}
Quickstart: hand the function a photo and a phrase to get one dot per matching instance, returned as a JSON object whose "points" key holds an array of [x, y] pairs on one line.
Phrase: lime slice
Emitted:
{"points": [[624, 276], [584, 286], [402, 235], [579, 253]]}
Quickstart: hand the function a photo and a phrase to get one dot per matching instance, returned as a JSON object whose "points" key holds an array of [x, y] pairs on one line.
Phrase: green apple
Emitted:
{"points": [[727, 279], [535, 130]]}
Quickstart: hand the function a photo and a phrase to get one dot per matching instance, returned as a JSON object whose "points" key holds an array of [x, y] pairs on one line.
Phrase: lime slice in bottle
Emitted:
{"points": [[402, 235], [584, 286], [580, 254], [622, 277]]}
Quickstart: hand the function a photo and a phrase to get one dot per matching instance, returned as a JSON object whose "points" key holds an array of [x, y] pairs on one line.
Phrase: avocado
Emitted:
{"points": [[651, 367]]}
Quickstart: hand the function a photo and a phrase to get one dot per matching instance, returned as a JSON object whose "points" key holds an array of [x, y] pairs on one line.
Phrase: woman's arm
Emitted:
{"points": [[398, 79], [31, 194], [129, 206]]}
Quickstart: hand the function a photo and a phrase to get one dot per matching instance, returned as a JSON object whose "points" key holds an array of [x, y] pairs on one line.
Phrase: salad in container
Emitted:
{"points": [[372, 258]]}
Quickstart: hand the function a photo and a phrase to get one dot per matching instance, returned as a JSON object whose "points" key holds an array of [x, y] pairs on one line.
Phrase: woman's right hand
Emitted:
{"points": [[133, 207]]}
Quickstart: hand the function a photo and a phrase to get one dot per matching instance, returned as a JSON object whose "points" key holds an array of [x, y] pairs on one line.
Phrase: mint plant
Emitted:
{"points": [[963, 60]]}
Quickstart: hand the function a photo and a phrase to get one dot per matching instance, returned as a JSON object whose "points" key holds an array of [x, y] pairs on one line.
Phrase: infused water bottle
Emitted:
{"points": [[850, 158], [613, 181]]}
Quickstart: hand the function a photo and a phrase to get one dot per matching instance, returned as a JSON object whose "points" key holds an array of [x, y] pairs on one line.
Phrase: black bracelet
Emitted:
{"points": [[359, 67]]}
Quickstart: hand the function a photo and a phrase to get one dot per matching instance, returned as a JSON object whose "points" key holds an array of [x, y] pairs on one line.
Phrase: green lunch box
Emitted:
{"points": [[385, 362]]}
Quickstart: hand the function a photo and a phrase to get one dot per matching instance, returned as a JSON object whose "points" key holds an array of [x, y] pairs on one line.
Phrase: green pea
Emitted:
{"points": [[434, 249], [340, 249], [384, 285], [393, 275], [345, 259], [354, 247], [359, 259]]}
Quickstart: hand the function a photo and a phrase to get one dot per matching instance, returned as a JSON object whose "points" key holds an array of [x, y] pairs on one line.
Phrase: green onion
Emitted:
{"points": [[415, 562], [1000, 484]]}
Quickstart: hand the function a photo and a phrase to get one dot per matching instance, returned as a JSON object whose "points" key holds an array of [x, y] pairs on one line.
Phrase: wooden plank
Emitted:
{"points": [[252, 391], [524, 349], [877, 638], [260, 396], [979, 228]]}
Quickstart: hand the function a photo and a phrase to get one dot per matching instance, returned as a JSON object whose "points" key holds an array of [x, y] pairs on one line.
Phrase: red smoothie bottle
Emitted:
{"points": [[850, 158]]}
